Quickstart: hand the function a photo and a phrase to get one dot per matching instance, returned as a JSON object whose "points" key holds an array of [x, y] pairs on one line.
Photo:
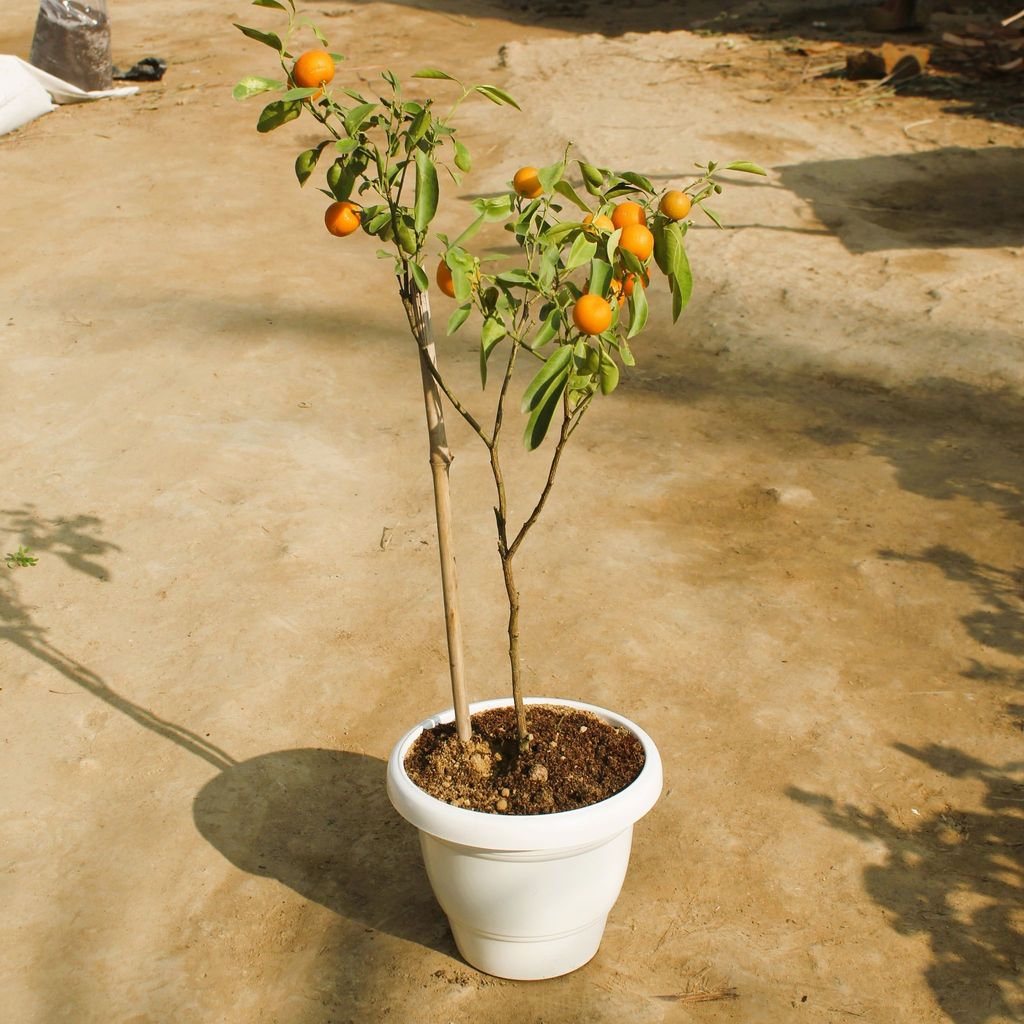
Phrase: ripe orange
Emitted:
{"points": [[444, 279], [313, 68], [526, 183], [630, 283], [628, 213], [342, 218], [600, 221], [592, 314], [675, 204], [638, 240]]}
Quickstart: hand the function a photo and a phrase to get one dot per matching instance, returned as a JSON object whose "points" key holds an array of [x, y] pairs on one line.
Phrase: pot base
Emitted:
{"points": [[528, 958]]}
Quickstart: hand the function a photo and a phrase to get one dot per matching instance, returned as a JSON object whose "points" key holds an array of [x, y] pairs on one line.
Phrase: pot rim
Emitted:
{"points": [[521, 832]]}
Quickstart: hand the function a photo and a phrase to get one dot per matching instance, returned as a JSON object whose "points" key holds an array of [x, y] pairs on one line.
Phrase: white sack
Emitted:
{"points": [[25, 92]]}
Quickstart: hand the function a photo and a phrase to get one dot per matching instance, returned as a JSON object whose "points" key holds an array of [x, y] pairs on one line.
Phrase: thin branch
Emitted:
{"points": [[500, 410], [570, 421]]}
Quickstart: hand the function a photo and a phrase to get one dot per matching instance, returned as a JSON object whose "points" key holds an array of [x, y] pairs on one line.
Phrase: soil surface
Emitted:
{"points": [[790, 546], [573, 759]]}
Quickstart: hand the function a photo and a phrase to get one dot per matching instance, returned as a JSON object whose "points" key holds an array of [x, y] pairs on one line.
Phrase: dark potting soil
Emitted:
{"points": [[574, 759]]}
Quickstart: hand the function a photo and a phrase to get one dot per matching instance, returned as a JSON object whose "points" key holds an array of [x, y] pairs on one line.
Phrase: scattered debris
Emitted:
{"points": [[149, 69], [890, 61]]}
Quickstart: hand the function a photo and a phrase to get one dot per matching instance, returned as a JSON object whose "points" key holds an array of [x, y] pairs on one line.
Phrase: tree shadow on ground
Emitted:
{"points": [[892, 202], [999, 622], [76, 542], [318, 821], [954, 877]]}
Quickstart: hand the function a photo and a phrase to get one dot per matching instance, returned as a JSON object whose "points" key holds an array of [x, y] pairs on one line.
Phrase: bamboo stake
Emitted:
{"points": [[418, 308]]}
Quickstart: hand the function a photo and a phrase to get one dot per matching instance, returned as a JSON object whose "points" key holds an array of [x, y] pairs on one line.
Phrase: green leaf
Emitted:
{"points": [[426, 190], [278, 113], [343, 174], [556, 234], [677, 269], [433, 73], [253, 85], [356, 116], [547, 402], [658, 230], [609, 374], [600, 277], [564, 188], [593, 179], [494, 209], [374, 218], [624, 188], [516, 278], [492, 332], [548, 329], [459, 317], [549, 176], [495, 95], [306, 162], [346, 145], [582, 251], [417, 129], [556, 363], [321, 38], [639, 180], [267, 38], [470, 231], [711, 214], [626, 352], [419, 275], [746, 166], [389, 76], [298, 94], [269, 3], [462, 158], [612, 244], [638, 310], [631, 262]]}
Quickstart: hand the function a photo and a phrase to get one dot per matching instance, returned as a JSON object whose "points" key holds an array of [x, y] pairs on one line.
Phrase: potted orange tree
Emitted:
{"points": [[525, 805]]}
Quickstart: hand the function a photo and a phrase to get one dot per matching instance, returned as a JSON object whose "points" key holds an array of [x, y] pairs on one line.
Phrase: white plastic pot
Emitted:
{"points": [[527, 896]]}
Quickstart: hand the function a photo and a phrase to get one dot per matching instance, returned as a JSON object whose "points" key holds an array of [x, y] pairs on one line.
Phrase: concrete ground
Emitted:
{"points": [[790, 546]]}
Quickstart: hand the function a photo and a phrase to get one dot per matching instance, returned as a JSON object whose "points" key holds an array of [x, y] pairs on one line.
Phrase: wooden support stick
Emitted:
{"points": [[440, 461]]}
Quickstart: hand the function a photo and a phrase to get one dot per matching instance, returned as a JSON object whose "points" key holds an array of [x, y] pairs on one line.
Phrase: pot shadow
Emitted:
{"points": [[319, 822]]}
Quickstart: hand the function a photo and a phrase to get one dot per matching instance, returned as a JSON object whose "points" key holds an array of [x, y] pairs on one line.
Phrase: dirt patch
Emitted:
{"points": [[574, 760]]}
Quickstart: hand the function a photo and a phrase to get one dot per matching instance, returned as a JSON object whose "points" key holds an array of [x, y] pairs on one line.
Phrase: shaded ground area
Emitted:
{"points": [[791, 546]]}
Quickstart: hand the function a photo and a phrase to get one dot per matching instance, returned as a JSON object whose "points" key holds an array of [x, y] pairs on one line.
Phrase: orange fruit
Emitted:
{"points": [[600, 221], [638, 240], [675, 204], [343, 218], [313, 68], [444, 279], [592, 314], [616, 289], [526, 183], [630, 283], [628, 213]]}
